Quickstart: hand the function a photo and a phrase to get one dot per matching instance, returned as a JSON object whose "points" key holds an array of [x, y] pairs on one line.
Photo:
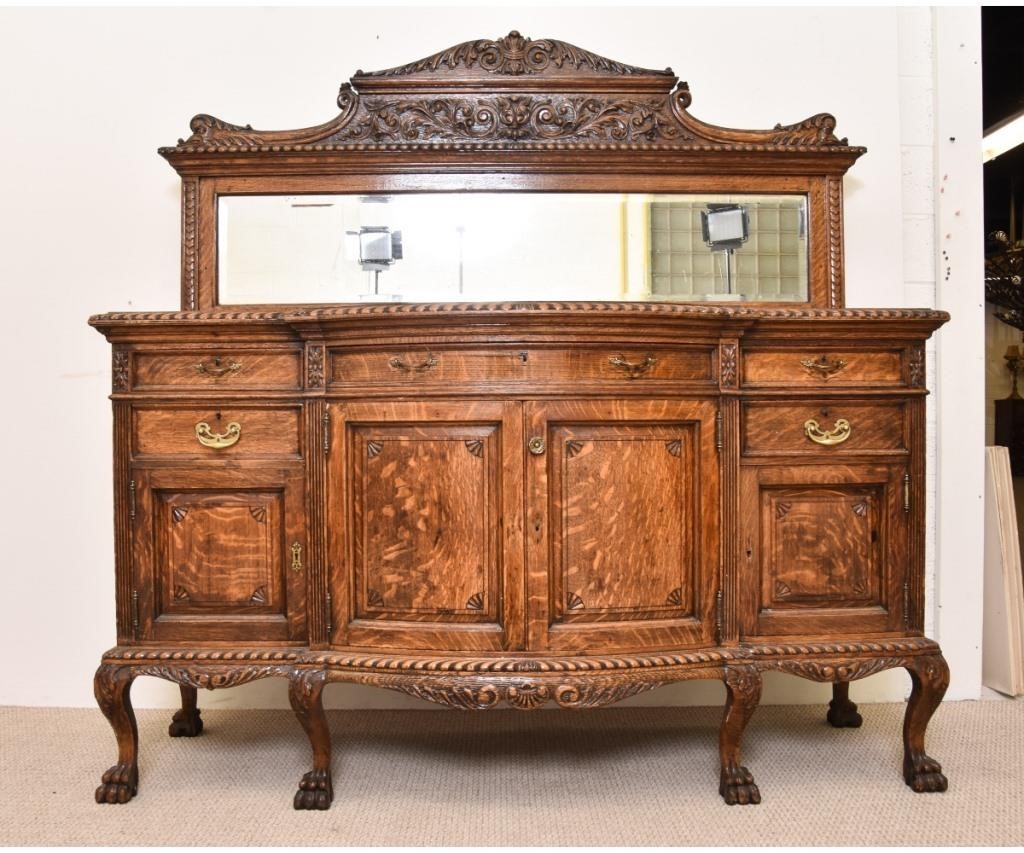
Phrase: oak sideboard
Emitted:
{"points": [[605, 427]]}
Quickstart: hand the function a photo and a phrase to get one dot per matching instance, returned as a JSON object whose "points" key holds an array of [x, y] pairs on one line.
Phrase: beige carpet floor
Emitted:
{"points": [[636, 776]]}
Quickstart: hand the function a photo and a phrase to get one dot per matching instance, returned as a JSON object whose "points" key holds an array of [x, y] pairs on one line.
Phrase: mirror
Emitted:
{"points": [[488, 247]]}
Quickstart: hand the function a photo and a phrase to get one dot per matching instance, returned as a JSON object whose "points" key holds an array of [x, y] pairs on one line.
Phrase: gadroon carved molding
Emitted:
{"points": [[512, 92]]}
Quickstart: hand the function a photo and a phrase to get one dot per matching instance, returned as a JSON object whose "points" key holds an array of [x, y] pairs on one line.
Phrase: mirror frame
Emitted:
{"points": [[512, 114]]}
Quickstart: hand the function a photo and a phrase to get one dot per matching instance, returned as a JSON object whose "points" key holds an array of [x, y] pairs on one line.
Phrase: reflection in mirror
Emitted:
{"points": [[487, 247]]}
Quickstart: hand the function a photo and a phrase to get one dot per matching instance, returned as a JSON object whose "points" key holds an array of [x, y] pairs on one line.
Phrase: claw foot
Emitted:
{"points": [[843, 715], [120, 784], [315, 791], [924, 774], [185, 724], [737, 787]]}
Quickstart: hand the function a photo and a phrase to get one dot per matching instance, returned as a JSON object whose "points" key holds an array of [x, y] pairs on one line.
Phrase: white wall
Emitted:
{"points": [[90, 223]]}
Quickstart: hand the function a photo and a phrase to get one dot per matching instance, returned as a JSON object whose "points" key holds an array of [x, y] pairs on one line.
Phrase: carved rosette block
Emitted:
{"points": [[915, 366], [728, 369], [120, 370], [315, 366]]}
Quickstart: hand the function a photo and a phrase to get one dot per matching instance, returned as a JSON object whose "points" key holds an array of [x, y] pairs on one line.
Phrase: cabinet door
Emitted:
{"points": [[424, 521], [622, 524], [219, 554], [824, 549]]}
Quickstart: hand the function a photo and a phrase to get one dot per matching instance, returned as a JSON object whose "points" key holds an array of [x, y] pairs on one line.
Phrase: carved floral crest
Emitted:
{"points": [[514, 54], [507, 93]]}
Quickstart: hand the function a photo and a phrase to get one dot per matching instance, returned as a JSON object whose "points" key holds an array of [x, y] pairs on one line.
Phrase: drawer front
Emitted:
{"points": [[824, 428], [220, 432], [418, 366], [214, 368], [822, 367]]}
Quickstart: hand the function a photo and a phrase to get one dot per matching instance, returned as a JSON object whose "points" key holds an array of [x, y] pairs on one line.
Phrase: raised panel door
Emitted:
{"points": [[623, 542], [220, 554], [824, 549], [424, 523]]}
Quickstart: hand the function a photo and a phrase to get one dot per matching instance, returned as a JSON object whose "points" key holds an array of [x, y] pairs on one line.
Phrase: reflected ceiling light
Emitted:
{"points": [[1003, 137], [724, 226]]}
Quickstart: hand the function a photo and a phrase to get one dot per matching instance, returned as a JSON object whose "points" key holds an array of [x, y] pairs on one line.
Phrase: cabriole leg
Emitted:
{"points": [[842, 713], [930, 676], [186, 722], [112, 686], [305, 692], [736, 784]]}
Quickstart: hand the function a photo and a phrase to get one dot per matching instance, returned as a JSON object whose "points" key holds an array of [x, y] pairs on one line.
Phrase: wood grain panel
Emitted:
{"points": [[418, 366], [623, 520], [228, 367], [825, 549], [773, 368], [219, 552], [623, 545], [213, 554], [777, 428], [424, 522], [424, 516], [266, 431]]}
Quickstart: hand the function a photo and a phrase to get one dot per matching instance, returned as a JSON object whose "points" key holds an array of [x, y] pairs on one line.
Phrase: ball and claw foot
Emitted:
{"points": [[120, 784], [843, 715], [737, 787], [924, 774], [185, 724], [315, 791]]}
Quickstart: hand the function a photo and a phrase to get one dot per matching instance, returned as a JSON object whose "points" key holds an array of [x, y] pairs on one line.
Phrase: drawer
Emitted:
{"points": [[600, 365], [822, 367], [222, 432], [218, 368], [824, 428]]}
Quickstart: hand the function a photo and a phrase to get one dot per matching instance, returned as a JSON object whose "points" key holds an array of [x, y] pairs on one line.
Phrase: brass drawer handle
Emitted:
{"points": [[397, 364], [296, 556], [839, 433], [218, 440], [218, 370], [823, 367], [635, 371], [537, 445]]}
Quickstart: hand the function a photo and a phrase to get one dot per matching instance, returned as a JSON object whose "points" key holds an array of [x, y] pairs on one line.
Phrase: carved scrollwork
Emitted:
{"points": [[848, 670], [512, 118], [525, 695], [212, 677], [816, 130]]}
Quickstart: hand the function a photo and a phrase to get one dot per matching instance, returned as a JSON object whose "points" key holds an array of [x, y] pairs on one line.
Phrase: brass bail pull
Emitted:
{"points": [[837, 435], [218, 440], [633, 370]]}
